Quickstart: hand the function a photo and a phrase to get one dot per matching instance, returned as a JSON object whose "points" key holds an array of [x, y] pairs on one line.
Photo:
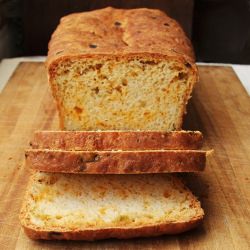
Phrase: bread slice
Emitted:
{"points": [[116, 162], [91, 207], [115, 140], [115, 69]]}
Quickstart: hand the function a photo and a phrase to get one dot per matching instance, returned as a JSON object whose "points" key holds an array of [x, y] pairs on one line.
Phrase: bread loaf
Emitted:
{"points": [[115, 69]]}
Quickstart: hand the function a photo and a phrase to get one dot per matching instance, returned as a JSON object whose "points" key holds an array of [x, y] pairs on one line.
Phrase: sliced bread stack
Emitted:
{"points": [[119, 187], [116, 152]]}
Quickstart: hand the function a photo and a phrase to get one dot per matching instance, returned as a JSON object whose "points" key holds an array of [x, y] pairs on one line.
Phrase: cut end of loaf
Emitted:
{"points": [[61, 206], [121, 93]]}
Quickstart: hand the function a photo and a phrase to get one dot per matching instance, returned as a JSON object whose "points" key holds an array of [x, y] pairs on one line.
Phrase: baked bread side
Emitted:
{"points": [[116, 162], [114, 69], [116, 140], [57, 206]]}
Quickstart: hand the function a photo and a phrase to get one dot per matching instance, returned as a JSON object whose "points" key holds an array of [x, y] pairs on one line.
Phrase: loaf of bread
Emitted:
{"points": [[116, 140], [91, 207], [115, 69], [116, 162]]}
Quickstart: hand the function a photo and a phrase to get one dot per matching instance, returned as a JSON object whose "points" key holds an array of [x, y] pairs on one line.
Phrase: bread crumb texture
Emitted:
{"points": [[121, 69], [63, 202], [121, 95]]}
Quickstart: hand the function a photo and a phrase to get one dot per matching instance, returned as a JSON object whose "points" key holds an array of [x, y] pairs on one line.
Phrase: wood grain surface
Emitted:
{"points": [[220, 108]]}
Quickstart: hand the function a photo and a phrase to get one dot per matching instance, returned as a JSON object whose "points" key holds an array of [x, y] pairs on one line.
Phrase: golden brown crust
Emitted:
{"points": [[116, 162], [119, 233], [119, 32], [115, 140]]}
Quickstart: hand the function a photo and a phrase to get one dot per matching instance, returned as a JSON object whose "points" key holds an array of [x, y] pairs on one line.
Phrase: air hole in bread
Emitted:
{"points": [[98, 66], [59, 52], [93, 46], [96, 90], [182, 75], [149, 62], [97, 158], [78, 109], [124, 82], [117, 23]]}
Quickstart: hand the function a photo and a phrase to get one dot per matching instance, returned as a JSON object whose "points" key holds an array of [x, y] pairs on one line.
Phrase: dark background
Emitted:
{"points": [[219, 29]]}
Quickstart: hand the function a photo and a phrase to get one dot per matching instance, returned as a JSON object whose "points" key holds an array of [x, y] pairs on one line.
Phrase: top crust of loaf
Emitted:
{"points": [[119, 33]]}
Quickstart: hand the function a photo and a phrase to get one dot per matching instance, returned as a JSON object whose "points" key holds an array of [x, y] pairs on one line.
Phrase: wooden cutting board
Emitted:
{"points": [[220, 108]]}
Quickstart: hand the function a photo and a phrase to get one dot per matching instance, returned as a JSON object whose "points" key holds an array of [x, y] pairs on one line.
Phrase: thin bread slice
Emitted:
{"points": [[116, 162], [115, 140], [91, 207]]}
